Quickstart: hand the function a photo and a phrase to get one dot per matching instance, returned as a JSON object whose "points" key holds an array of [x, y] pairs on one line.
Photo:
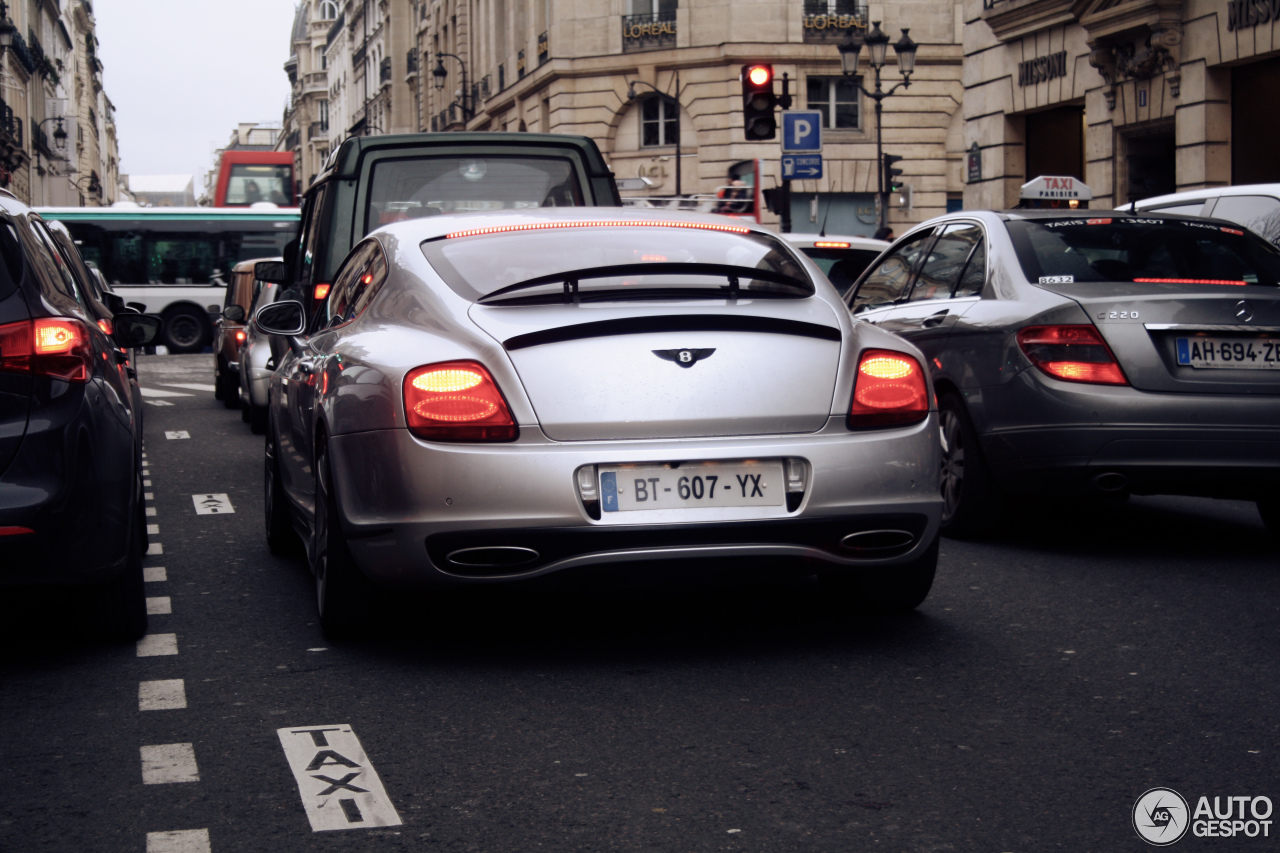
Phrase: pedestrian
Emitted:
{"points": [[884, 232]]}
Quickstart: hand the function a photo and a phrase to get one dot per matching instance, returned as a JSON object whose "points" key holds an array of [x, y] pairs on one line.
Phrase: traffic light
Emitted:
{"points": [[892, 181], [758, 102]]}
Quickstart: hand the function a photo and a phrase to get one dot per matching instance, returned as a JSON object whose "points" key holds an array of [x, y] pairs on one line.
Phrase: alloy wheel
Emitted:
{"points": [[952, 462]]}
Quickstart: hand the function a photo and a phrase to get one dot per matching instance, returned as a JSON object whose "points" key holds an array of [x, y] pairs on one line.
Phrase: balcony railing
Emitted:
{"points": [[484, 87], [411, 61], [649, 31], [544, 48], [293, 140], [384, 69], [827, 21], [520, 65], [318, 130]]}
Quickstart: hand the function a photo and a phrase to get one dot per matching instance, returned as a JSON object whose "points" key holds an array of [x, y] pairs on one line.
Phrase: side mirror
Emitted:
{"points": [[135, 330], [272, 272], [140, 307], [282, 318], [234, 313], [213, 309]]}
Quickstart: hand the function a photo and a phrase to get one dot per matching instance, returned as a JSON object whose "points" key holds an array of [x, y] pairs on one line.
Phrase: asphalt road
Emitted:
{"points": [[1056, 673]]}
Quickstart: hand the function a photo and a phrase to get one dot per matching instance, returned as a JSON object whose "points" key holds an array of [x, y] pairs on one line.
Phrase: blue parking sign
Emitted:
{"points": [[801, 131]]}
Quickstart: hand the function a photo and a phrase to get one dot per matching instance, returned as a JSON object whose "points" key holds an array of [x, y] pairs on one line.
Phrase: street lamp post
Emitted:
{"points": [[440, 74], [59, 133], [631, 96], [877, 43]]}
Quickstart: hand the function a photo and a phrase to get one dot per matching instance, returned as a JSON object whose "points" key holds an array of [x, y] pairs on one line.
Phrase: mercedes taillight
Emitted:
{"points": [[890, 390], [57, 347], [1072, 353], [457, 401]]}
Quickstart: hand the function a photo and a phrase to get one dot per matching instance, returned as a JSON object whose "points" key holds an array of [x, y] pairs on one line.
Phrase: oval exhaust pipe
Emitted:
{"points": [[493, 557], [1111, 482], [878, 541]]}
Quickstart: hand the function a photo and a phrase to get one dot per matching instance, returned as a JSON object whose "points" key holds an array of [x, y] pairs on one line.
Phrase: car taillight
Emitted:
{"points": [[240, 336], [105, 325], [57, 347], [457, 401], [890, 390], [1074, 353], [321, 292]]}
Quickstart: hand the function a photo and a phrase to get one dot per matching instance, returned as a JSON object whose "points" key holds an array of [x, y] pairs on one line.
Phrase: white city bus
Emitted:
{"points": [[175, 261]]}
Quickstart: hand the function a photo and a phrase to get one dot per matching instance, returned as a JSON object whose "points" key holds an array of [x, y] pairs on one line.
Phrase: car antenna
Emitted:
{"points": [[1133, 206], [822, 227]]}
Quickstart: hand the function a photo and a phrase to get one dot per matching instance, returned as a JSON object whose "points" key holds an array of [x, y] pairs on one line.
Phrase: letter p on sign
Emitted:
{"points": [[801, 132]]}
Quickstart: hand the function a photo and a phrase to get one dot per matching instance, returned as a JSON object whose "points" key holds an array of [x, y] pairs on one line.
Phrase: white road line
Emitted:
{"points": [[190, 386], [151, 511], [154, 645], [169, 763], [148, 496], [155, 549], [153, 530], [216, 504], [339, 787], [146, 464], [147, 483], [179, 841], [154, 574], [157, 402], [156, 392], [167, 695], [179, 433], [159, 605]]}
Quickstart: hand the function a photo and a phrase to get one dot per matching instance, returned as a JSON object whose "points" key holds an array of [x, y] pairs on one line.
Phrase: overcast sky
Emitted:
{"points": [[183, 73]]}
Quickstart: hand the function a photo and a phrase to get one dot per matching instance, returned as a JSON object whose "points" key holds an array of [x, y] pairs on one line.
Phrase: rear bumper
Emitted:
{"points": [[1040, 434], [407, 505]]}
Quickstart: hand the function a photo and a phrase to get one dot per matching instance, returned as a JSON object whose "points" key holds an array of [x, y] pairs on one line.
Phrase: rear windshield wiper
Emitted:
{"points": [[571, 278]]}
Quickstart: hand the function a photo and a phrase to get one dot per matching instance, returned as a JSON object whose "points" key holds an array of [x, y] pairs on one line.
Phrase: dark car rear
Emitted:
{"points": [[70, 458]]}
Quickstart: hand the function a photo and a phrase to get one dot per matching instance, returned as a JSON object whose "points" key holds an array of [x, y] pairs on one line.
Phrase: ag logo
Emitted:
{"points": [[1161, 817], [684, 357]]}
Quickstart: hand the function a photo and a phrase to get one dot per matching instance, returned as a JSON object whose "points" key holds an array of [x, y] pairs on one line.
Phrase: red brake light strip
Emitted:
{"points": [[1190, 281], [608, 223]]}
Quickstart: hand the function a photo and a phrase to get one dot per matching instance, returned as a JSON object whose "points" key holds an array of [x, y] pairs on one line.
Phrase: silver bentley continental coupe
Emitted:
{"points": [[494, 396]]}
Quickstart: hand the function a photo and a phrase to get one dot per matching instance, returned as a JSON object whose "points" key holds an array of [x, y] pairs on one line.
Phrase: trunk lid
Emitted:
{"points": [[1145, 324], [668, 370]]}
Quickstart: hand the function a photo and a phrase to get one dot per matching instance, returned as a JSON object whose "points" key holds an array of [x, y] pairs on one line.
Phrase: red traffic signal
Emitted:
{"points": [[758, 102]]}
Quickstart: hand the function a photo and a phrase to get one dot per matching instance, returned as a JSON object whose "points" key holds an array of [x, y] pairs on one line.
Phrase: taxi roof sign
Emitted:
{"points": [[1055, 188]]}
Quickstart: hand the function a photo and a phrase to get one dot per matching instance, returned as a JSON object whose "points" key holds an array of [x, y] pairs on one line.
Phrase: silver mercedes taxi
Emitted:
{"points": [[1090, 352], [488, 397]]}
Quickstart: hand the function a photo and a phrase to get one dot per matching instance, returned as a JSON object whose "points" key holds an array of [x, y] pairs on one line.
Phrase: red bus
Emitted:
{"points": [[245, 177]]}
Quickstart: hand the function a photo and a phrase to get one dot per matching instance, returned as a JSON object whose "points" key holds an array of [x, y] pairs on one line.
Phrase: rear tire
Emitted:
{"points": [[230, 394], [117, 609], [1270, 512], [893, 589], [185, 330], [344, 597], [257, 417], [971, 501], [281, 539]]}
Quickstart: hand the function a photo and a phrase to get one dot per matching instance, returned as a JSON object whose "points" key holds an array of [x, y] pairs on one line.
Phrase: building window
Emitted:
{"points": [[328, 10], [659, 121], [837, 99]]}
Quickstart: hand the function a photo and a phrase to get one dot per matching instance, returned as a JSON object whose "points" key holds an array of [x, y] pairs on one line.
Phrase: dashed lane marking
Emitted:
{"points": [[218, 504], [149, 496], [156, 392], [167, 695], [153, 530], [177, 433], [179, 841], [339, 787], [154, 645], [151, 511], [155, 549], [190, 386], [169, 763], [146, 483], [154, 574], [159, 605]]}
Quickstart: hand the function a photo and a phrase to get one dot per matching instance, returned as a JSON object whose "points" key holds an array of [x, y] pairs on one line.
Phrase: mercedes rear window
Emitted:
{"points": [[610, 260], [429, 186], [1142, 250]]}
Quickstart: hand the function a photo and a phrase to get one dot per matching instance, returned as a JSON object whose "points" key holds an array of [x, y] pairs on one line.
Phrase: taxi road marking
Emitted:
{"points": [[218, 504], [180, 841], [178, 433], [153, 645], [157, 402], [339, 787], [167, 695], [169, 763]]}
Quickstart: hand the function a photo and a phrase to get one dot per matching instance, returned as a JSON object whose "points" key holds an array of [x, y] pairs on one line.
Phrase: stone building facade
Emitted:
{"points": [[306, 118], [566, 66], [58, 141], [1136, 97]]}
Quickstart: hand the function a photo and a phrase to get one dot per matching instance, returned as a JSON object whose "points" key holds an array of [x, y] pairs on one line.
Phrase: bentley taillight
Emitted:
{"points": [[57, 347], [890, 390], [457, 401], [1072, 353]]}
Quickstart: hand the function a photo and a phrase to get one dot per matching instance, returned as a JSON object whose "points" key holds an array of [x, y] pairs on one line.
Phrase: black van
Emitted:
{"points": [[374, 180]]}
